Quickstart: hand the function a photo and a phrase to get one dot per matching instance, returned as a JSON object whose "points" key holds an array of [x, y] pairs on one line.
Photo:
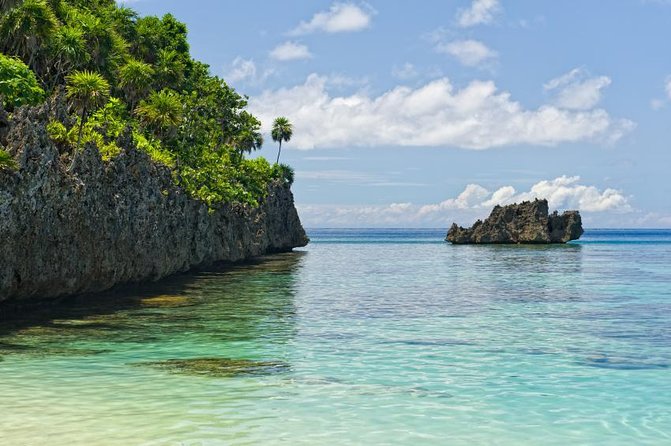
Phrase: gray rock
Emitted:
{"points": [[107, 223], [527, 222]]}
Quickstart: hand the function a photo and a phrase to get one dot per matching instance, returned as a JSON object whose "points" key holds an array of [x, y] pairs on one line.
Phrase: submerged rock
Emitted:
{"points": [[107, 223], [526, 222], [219, 367]]}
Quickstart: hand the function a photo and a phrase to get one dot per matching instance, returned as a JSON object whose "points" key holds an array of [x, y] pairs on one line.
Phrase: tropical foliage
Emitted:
{"points": [[18, 84], [283, 130], [121, 71], [6, 160]]}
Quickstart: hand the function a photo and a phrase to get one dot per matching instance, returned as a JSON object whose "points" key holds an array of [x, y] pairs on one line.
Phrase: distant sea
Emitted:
{"points": [[365, 337]]}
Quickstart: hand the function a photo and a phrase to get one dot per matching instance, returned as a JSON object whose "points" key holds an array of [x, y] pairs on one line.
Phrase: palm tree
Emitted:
{"points": [[283, 130], [135, 78], [106, 47], [161, 111], [69, 51], [169, 68], [247, 141], [88, 91], [26, 28]]}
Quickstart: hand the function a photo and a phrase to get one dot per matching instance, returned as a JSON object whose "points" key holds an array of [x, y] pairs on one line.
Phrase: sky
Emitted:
{"points": [[421, 113]]}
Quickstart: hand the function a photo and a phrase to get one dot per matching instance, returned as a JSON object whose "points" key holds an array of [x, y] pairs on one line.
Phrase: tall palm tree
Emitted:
{"points": [[161, 111], [88, 91], [135, 78], [283, 130], [26, 28]]}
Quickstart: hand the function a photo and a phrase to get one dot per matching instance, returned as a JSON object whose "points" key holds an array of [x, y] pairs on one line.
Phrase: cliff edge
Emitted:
{"points": [[107, 223], [526, 222]]}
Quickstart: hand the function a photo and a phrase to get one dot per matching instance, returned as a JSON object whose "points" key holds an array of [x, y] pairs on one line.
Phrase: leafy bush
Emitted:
{"points": [[18, 84], [57, 132], [283, 173]]}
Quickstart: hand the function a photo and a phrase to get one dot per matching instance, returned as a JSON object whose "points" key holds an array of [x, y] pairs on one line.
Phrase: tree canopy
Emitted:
{"points": [[121, 70]]}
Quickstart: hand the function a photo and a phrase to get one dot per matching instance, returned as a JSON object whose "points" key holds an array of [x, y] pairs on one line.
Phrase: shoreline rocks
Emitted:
{"points": [[109, 223], [526, 222]]}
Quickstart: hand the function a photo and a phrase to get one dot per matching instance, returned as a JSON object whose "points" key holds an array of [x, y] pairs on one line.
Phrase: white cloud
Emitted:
{"points": [[468, 52], [245, 71], [478, 116], [404, 72], [576, 90], [341, 17], [563, 193], [480, 12], [290, 51], [474, 202], [241, 69]]}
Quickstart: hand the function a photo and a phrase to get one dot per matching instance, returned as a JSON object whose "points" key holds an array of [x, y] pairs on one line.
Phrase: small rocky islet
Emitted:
{"points": [[528, 222]]}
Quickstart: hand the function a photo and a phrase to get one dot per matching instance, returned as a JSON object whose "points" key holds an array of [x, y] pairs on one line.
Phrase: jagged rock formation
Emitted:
{"points": [[107, 223], [527, 222]]}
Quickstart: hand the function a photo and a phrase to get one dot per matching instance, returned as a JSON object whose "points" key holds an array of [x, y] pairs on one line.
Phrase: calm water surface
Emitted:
{"points": [[364, 337]]}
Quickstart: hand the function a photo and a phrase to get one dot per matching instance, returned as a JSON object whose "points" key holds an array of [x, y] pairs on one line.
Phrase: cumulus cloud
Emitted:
{"points": [[468, 52], [290, 51], [576, 90], [477, 116], [480, 12], [474, 202], [341, 17]]}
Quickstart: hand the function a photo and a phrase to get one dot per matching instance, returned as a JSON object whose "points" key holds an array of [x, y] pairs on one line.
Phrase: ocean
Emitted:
{"points": [[364, 337]]}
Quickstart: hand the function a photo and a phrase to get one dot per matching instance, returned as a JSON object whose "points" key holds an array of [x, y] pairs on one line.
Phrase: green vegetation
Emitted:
{"points": [[121, 71], [283, 130], [6, 160], [18, 84]]}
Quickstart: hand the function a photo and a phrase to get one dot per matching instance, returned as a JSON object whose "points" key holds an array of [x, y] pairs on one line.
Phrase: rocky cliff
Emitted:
{"points": [[527, 222], [107, 223]]}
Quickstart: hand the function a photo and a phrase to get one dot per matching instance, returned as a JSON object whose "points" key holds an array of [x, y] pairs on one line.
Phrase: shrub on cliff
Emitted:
{"points": [[6, 160], [18, 84]]}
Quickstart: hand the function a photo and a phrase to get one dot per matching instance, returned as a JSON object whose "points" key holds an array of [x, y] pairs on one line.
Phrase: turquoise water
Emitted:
{"points": [[364, 337]]}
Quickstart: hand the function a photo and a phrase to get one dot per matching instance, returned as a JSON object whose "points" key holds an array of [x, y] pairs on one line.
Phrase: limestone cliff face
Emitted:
{"points": [[527, 222], [107, 223]]}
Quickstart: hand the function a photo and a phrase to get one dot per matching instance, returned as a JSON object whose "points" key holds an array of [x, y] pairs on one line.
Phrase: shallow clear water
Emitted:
{"points": [[365, 337]]}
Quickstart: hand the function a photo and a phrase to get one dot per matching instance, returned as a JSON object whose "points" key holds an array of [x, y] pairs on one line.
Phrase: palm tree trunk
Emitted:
{"points": [[278, 153], [81, 128], [79, 141]]}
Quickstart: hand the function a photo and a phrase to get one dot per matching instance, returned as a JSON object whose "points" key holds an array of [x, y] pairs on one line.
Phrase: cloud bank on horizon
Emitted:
{"points": [[474, 202]]}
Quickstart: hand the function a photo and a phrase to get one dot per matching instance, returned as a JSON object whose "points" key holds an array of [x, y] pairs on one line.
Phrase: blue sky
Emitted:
{"points": [[412, 114]]}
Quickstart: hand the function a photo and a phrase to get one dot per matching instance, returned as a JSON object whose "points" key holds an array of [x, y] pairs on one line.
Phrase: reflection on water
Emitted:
{"points": [[233, 304], [368, 337]]}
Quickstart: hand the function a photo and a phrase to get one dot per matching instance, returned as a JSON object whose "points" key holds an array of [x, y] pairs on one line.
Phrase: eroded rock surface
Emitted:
{"points": [[107, 223], [526, 222]]}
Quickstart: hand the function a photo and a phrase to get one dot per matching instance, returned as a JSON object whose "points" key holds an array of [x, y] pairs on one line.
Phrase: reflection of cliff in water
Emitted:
{"points": [[249, 302]]}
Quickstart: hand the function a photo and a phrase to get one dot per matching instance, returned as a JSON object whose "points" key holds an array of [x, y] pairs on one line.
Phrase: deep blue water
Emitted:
{"points": [[364, 337]]}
